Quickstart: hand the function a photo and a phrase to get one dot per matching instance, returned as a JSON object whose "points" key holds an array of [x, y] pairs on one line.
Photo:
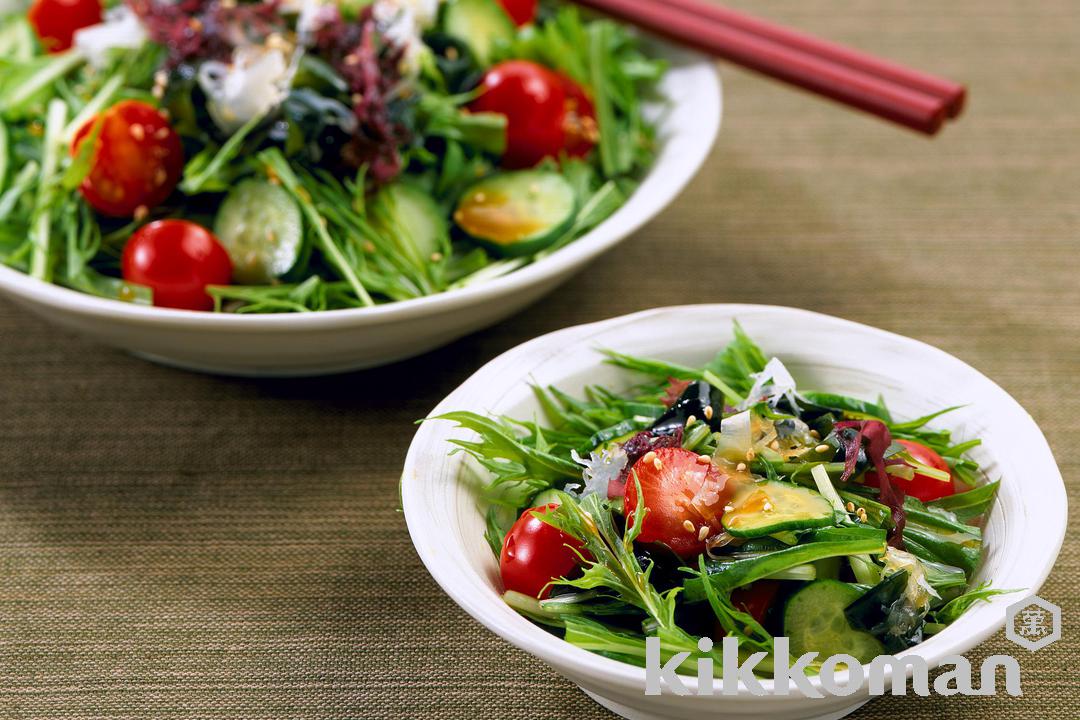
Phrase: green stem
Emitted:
{"points": [[42, 227], [59, 66], [97, 103], [194, 183], [280, 167], [599, 39], [3, 154]]}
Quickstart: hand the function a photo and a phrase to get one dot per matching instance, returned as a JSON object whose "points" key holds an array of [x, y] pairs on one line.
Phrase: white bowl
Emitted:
{"points": [[319, 343], [1022, 537]]}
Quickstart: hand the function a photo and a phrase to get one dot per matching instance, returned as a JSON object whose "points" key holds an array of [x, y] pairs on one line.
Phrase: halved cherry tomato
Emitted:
{"points": [[55, 21], [522, 12], [137, 159], [681, 496], [922, 487], [176, 259], [546, 113], [756, 598], [535, 553]]}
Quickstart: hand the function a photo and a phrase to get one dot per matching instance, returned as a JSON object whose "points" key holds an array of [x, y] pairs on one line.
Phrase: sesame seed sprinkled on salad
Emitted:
{"points": [[655, 527]]}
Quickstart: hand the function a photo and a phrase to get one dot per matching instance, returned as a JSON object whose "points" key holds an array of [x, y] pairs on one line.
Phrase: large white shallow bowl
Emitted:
{"points": [[1022, 537], [318, 343]]}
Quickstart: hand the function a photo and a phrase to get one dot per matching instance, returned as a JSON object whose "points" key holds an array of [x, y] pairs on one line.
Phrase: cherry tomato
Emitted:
{"points": [[546, 113], [137, 159], [756, 598], [522, 12], [535, 553], [55, 21], [922, 487], [176, 259], [681, 496]]}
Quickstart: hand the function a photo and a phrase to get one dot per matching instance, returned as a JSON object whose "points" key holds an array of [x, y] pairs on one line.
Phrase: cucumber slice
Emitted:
{"points": [[546, 497], [517, 213], [814, 620], [259, 225], [479, 24], [412, 216], [769, 507]]}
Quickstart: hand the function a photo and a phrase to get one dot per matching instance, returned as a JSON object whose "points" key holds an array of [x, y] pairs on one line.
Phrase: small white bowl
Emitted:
{"points": [[327, 342], [1022, 537]]}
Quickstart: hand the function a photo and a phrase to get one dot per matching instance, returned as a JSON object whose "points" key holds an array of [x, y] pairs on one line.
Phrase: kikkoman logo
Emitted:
{"points": [[1033, 623]]}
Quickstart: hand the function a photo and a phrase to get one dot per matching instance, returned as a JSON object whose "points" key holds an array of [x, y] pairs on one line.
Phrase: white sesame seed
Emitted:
{"points": [[137, 131], [649, 456], [728, 508], [708, 412], [690, 421], [688, 526], [850, 507], [702, 533], [750, 454], [740, 467], [657, 464], [767, 506], [704, 459], [822, 448], [815, 434]]}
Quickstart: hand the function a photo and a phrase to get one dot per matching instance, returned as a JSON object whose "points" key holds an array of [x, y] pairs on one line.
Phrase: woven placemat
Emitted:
{"points": [[181, 546]]}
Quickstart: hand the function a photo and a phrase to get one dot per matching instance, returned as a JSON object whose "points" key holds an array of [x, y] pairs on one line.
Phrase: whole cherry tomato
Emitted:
{"points": [[922, 487], [176, 259], [522, 12], [55, 21], [137, 159], [546, 113], [535, 553], [682, 495]]}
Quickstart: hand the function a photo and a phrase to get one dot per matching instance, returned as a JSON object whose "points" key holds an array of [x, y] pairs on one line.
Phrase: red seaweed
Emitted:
{"points": [[878, 439]]}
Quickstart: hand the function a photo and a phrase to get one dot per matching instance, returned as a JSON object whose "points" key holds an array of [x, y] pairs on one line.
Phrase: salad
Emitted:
{"points": [[726, 501], [259, 156]]}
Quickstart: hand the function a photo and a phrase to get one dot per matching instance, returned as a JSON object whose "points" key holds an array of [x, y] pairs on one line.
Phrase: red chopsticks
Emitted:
{"points": [[911, 98]]}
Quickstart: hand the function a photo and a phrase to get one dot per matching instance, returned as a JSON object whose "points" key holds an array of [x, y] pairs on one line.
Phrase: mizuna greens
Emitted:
{"points": [[725, 501], [343, 154]]}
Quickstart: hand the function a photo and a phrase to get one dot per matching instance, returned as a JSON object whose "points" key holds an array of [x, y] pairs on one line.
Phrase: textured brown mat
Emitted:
{"points": [[178, 546]]}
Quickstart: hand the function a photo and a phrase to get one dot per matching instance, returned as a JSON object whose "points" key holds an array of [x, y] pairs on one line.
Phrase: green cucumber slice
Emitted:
{"points": [[547, 497], [768, 507], [814, 621], [479, 24], [517, 213], [412, 216], [259, 226]]}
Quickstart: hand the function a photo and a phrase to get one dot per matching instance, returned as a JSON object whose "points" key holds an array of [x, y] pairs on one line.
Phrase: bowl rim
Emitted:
{"points": [[630, 217], [580, 663]]}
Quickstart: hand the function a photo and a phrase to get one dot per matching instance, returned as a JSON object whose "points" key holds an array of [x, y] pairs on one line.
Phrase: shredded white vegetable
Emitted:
{"points": [[253, 84], [121, 29], [600, 469], [772, 384]]}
